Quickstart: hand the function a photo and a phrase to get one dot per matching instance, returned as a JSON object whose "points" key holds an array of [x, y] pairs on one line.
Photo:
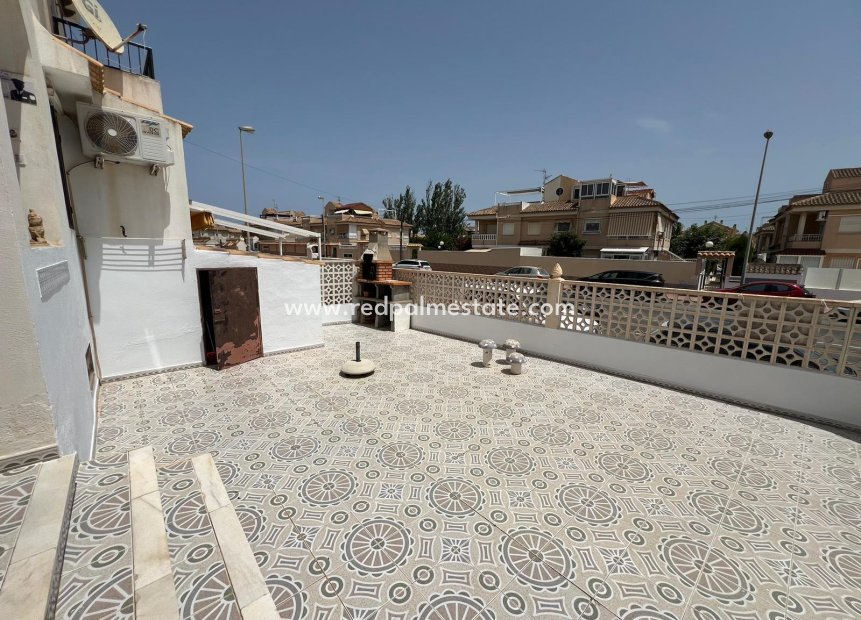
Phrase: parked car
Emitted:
{"points": [[412, 263], [780, 289], [528, 272], [640, 278]]}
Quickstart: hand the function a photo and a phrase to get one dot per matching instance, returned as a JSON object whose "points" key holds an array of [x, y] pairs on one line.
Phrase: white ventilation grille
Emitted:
{"points": [[52, 278]]}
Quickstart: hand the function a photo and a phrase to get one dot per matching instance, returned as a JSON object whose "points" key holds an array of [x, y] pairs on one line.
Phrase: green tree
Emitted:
{"points": [[403, 209], [565, 244], [737, 244], [691, 240], [440, 214]]}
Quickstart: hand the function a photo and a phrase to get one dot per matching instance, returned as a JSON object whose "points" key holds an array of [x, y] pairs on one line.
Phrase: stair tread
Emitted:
{"points": [[249, 587], [32, 574], [150, 553]]}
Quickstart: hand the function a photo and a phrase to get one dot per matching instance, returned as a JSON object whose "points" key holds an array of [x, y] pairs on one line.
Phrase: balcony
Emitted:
{"points": [[137, 59], [483, 240], [805, 238]]}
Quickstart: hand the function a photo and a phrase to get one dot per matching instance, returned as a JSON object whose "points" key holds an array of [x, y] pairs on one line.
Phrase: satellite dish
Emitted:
{"points": [[96, 18]]}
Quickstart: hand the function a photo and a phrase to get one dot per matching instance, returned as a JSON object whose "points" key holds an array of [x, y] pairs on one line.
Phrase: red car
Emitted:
{"points": [[780, 289]]}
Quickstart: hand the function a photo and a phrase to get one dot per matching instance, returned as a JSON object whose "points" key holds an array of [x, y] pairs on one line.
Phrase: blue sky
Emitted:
{"points": [[359, 99]]}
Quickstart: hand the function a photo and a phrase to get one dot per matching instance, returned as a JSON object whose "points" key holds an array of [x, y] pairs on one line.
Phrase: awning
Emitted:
{"points": [[625, 250], [202, 220]]}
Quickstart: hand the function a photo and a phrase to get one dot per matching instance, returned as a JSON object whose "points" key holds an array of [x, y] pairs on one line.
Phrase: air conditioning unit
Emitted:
{"points": [[119, 136], [821, 216]]}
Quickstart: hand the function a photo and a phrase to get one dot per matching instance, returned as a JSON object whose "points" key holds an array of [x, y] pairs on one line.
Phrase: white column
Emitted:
{"points": [[802, 220]]}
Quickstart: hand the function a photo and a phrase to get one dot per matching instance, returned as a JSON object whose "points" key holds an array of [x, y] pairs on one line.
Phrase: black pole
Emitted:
{"points": [[767, 135], [358, 352]]}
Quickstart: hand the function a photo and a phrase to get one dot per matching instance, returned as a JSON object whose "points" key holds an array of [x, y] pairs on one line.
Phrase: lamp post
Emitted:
{"points": [[322, 238], [767, 135], [244, 129]]}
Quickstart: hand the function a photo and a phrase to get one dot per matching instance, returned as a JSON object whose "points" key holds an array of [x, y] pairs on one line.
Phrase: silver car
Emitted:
{"points": [[526, 272], [412, 263]]}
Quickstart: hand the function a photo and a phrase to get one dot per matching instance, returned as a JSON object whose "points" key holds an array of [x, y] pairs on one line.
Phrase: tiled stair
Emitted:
{"points": [[35, 502], [138, 542]]}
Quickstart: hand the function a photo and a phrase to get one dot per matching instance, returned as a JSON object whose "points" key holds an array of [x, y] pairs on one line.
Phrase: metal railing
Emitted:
{"points": [[818, 335], [336, 282], [806, 238], [137, 59]]}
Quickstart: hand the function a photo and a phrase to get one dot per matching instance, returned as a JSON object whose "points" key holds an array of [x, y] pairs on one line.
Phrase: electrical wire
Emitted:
{"points": [[265, 171]]}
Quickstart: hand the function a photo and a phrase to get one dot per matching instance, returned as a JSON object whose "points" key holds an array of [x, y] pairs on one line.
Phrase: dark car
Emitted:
{"points": [[640, 278], [780, 289]]}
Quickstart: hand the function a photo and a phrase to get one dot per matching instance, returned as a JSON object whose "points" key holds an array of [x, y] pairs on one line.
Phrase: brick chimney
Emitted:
{"points": [[382, 257]]}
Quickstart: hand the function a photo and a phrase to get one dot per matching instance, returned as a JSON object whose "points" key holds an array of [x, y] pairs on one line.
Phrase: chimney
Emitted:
{"points": [[383, 257]]}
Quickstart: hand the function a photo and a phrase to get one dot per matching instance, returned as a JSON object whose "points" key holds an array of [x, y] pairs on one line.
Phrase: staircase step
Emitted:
{"points": [[154, 593], [249, 587], [29, 588]]}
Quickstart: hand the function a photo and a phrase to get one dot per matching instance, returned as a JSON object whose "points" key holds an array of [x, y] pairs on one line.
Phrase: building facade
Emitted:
{"points": [[100, 278], [347, 231], [616, 219], [818, 230]]}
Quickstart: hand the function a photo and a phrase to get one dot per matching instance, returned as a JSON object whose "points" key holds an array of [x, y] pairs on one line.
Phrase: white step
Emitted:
{"points": [[30, 585]]}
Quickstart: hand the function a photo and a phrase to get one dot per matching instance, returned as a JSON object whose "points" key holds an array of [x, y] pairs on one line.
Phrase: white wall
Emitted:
{"points": [[57, 327], [789, 390], [146, 312]]}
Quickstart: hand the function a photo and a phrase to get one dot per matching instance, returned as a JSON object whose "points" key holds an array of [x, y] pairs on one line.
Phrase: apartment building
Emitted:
{"points": [[347, 230], [818, 230], [617, 219]]}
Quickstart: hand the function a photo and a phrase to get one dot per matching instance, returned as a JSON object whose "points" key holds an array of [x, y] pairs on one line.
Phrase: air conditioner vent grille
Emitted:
{"points": [[112, 133]]}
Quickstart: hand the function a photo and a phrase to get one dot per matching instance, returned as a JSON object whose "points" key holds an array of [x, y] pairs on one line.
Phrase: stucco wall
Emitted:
{"points": [[146, 312], [58, 329], [788, 390]]}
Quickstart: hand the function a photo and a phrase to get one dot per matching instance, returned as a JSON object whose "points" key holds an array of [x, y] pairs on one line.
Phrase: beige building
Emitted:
{"points": [[347, 230], [617, 219], [818, 230]]}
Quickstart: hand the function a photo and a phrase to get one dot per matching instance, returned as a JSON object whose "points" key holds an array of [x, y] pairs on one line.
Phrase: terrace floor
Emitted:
{"points": [[439, 489]]}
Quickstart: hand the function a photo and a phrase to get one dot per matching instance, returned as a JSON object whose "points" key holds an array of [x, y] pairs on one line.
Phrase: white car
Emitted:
{"points": [[412, 263]]}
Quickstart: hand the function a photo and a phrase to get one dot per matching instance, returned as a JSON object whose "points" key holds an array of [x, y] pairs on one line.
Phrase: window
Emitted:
{"points": [[587, 191], [602, 189], [842, 262], [575, 193], [755, 288], [849, 224], [508, 229], [561, 227], [619, 189], [346, 255], [533, 228], [810, 261], [592, 227]]}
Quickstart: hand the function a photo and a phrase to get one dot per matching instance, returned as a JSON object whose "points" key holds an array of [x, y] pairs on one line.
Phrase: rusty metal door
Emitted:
{"points": [[235, 315]]}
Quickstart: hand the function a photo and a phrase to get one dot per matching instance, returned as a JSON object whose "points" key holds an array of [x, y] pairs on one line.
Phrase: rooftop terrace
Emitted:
{"points": [[437, 488]]}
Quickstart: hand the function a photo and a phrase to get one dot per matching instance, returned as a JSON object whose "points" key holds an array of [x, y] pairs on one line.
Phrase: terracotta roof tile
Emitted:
{"points": [[824, 200], [845, 173], [544, 207], [635, 201], [487, 211]]}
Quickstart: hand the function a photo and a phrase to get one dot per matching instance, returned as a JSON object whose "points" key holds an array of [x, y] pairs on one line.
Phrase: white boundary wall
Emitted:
{"points": [[151, 321], [789, 390]]}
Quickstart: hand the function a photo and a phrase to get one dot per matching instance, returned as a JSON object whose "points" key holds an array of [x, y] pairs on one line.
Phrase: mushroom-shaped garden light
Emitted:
{"points": [[511, 346], [487, 345], [517, 360]]}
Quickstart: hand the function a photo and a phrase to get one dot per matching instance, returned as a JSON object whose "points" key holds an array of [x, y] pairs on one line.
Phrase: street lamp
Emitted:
{"points": [[767, 135], [244, 129], [322, 200]]}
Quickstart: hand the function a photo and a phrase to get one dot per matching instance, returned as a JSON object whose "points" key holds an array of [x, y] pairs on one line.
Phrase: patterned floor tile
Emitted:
{"points": [[437, 488]]}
